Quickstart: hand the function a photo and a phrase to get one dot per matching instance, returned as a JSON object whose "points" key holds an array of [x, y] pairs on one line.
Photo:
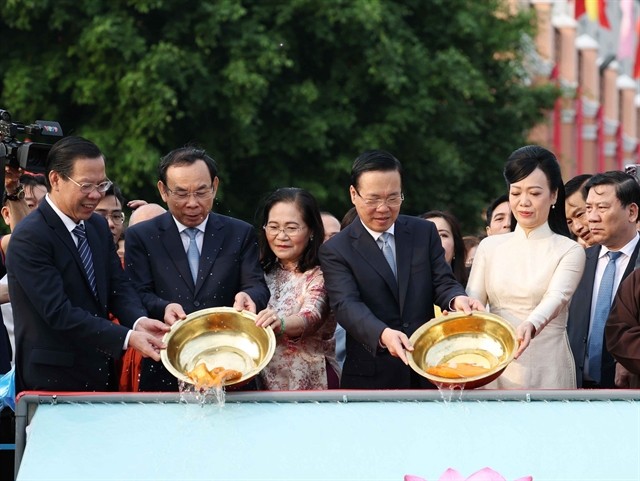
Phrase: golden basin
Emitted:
{"points": [[221, 337], [480, 339]]}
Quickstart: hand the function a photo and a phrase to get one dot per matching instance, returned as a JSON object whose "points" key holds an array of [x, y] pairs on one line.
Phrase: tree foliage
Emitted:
{"points": [[282, 93]]}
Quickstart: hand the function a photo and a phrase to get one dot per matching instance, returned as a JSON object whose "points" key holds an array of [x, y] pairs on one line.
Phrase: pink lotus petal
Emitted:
{"points": [[411, 477], [526, 478], [486, 474], [451, 475]]}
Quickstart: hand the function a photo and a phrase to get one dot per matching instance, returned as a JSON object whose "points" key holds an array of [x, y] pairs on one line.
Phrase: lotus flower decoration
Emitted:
{"points": [[485, 474]]}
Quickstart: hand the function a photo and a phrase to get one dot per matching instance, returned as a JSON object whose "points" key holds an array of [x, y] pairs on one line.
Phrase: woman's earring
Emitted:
{"points": [[311, 238], [553, 206]]}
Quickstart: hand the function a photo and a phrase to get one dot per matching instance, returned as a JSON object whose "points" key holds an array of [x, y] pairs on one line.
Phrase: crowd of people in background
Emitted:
{"points": [[87, 295]]}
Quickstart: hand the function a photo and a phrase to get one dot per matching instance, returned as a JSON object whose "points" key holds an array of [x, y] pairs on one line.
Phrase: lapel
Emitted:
{"points": [[591, 263], [404, 239], [64, 236], [368, 249], [632, 261], [590, 271], [211, 246], [172, 243]]}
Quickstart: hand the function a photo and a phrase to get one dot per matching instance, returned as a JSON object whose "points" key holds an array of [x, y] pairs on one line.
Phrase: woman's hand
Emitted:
{"points": [[524, 333], [268, 317]]}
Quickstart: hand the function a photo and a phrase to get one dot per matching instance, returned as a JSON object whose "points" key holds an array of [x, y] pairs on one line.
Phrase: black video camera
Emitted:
{"points": [[31, 156]]}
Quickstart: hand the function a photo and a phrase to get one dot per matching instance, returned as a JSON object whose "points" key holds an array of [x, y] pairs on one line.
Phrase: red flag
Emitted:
{"points": [[580, 9], [602, 14], [636, 67]]}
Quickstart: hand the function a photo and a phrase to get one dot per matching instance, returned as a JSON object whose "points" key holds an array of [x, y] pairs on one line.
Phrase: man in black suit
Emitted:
{"points": [[64, 279], [612, 200], [383, 273], [190, 258]]}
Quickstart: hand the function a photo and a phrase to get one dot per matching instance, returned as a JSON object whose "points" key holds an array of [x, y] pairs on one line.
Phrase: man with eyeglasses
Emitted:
{"points": [[191, 258], [64, 279], [383, 273], [110, 207]]}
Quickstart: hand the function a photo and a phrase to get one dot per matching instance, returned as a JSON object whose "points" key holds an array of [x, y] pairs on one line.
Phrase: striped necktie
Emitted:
{"points": [[85, 255]]}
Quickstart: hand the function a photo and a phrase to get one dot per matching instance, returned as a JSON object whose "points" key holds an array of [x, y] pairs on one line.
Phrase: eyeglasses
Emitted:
{"points": [[290, 230], [116, 217], [87, 188], [204, 194], [376, 203]]}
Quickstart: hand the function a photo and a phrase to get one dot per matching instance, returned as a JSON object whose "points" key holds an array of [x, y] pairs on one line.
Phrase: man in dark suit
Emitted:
{"points": [[383, 273], [612, 200], [64, 279], [190, 258]]}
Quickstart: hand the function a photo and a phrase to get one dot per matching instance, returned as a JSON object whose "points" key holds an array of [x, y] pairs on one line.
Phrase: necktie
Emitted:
{"points": [[85, 256], [193, 255], [383, 242], [603, 306]]}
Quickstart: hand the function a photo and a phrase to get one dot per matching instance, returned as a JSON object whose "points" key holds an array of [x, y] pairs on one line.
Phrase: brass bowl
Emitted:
{"points": [[481, 338], [221, 337]]}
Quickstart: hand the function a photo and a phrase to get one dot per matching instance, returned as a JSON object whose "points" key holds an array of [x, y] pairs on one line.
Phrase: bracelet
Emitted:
{"points": [[281, 333]]}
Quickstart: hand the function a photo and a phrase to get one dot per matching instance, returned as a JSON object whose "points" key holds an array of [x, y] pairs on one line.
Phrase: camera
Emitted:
{"points": [[29, 155], [634, 170]]}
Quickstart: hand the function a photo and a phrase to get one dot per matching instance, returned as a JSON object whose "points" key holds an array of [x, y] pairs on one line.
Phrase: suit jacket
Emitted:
{"points": [[580, 318], [366, 298], [622, 331], [157, 263], [64, 339]]}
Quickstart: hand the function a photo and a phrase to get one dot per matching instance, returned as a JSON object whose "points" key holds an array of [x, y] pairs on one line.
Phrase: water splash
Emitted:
{"points": [[189, 394]]}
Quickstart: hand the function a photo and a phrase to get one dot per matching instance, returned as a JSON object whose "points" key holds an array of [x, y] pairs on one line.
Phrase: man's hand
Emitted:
{"points": [[622, 376], [134, 204], [244, 303], [397, 343], [467, 304], [147, 344], [152, 326], [11, 178], [173, 313], [524, 334]]}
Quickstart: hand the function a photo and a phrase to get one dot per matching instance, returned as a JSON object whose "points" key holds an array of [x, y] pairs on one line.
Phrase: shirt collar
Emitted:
{"points": [[627, 250], [68, 222], [181, 227], [376, 235]]}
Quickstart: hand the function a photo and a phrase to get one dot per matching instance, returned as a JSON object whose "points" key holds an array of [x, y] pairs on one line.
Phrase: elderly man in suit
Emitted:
{"points": [[64, 279], [383, 273], [190, 258], [612, 202]]}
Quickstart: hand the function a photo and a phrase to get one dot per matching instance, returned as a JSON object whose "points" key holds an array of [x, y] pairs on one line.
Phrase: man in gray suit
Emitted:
{"points": [[383, 273], [612, 200], [190, 258]]}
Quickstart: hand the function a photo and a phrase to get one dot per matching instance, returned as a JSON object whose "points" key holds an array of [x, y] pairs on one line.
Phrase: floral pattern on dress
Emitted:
{"points": [[300, 363]]}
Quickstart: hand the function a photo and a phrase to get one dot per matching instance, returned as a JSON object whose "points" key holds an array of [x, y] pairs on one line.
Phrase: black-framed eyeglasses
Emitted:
{"points": [[375, 202], [290, 230], [116, 217], [201, 194], [87, 187]]}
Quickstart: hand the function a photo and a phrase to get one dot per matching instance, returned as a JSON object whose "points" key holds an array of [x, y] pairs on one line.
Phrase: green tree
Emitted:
{"points": [[282, 93]]}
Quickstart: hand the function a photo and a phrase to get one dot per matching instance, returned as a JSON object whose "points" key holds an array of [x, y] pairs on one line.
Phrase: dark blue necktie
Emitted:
{"points": [[193, 255], [603, 306], [85, 256]]}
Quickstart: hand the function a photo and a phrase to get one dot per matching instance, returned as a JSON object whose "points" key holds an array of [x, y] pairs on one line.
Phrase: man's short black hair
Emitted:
{"points": [[500, 200]]}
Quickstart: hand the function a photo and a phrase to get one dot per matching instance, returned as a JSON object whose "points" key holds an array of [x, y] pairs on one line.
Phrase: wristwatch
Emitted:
{"points": [[17, 195]]}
